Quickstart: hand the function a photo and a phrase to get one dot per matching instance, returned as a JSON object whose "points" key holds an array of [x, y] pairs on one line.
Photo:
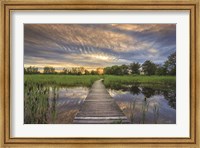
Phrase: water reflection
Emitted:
{"points": [[68, 103], [147, 105], [148, 92], [135, 90], [52, 104], [141, 104]]}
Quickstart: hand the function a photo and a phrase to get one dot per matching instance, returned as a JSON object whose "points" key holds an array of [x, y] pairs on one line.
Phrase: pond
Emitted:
{"points": [[147, 105], [59, 105], [53, 105]]}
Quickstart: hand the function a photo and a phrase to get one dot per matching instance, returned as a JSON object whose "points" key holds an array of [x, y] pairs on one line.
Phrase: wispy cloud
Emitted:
{"points": [[97, 45]]}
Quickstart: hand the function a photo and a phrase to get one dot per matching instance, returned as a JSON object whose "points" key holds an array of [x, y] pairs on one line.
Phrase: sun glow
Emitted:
{"points": [[100, 57]]}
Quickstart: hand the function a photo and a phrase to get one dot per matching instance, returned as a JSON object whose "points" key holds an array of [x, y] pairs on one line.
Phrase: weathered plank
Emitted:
{"points": [[99, 108]]}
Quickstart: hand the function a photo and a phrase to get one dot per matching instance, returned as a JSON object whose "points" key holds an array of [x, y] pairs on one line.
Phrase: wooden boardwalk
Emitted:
{"points": [[99, 108]]}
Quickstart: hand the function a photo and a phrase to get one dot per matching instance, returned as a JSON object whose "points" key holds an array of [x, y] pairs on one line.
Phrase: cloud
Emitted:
{"points": [[97, 45], [153, 50]]}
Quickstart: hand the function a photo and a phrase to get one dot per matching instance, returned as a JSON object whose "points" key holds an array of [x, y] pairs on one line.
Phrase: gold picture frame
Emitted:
{"points": [[7, 6]]}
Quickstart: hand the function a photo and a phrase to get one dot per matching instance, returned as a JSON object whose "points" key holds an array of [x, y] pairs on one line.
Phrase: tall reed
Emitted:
{"points": [[156, 113], [132, 110], [36, 103], [145, 107]]}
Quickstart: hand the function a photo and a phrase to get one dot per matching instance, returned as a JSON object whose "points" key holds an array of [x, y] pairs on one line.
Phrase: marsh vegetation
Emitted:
{"points": [[57, 98]]}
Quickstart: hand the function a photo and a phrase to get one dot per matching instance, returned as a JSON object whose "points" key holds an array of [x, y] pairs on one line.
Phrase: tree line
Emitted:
{"points": [[147, 68], [69, 71], [35, 70]]}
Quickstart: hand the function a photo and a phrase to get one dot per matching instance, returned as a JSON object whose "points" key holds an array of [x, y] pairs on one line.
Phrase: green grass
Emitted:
{"points": [[111, 81], [62, 80]]}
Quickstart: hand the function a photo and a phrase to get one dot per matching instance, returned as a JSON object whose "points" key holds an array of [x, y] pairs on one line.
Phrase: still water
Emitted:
{"points": [[145, 105], [66, 104], [59, 105], [53, 105]]}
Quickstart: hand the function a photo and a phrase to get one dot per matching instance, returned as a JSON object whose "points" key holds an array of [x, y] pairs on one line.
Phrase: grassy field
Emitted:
{"points": [[88, 80], [114, 81], [61, 80]]}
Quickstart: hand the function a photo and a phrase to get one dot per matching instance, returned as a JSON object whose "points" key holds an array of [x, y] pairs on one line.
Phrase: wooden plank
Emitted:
{"points": [[99, 108], [100, 118], [101, 122]]}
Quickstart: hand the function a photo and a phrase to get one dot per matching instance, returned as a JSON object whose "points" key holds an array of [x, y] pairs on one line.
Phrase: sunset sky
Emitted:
{"points": [[96, 45]]}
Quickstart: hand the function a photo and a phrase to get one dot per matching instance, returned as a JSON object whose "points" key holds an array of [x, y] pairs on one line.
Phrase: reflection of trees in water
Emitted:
{"points": [[169, 93], [148, 92], [138, 111], [135, 90]]}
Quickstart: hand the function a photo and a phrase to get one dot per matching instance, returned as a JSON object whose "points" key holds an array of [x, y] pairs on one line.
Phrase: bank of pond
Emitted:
{"points": [[57, 99]]}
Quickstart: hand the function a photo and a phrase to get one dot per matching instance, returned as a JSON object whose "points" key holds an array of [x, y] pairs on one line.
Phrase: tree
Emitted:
{"points": [[93, 72], [65, 71], [74, 71], [170, 64], [107, 70], [49, 70], [124, 69], [149, 67], [82, 70], [161, 70], [135, 68], [116, 70], [31, 70], [87, 72]]}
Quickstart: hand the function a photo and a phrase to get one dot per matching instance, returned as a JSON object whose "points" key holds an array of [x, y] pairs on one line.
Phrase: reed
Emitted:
{"points": [[145, 107], [132, 110], [156, 110]]}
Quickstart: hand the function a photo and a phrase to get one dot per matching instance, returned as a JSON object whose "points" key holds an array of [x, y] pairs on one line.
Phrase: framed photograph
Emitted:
{"points": [[99, 72]]}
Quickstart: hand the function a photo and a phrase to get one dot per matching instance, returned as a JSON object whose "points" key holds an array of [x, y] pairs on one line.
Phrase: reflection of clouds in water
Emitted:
{"points": [[68, 97], [71, 93], [120, 95], [77, 92], [115, 93], [67, 102], [157, 103]]}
